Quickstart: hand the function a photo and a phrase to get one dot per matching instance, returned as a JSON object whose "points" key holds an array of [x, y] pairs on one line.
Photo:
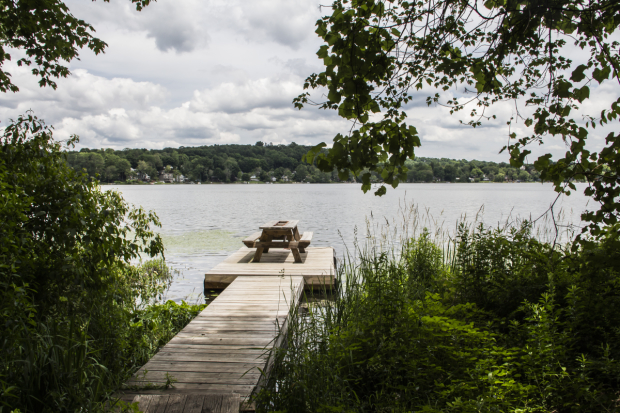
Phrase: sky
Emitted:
{"points": [[204, 72]]}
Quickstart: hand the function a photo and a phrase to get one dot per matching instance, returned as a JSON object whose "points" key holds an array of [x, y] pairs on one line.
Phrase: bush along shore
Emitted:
{"points": [[495, 321], [77, 317]]}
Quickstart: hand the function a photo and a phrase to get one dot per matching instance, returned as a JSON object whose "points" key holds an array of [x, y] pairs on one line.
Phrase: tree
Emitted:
{"points": [[300, 173], [524, 176], [145, 169], [376, 52], [219, 174], [64, 270], [512, 174], [124, 167], [450, 172], [48, 33], [477, 173], [424, 175], [111, 173]]}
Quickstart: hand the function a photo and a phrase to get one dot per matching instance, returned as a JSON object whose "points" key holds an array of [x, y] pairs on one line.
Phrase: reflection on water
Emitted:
{"points": [[203, 224]]}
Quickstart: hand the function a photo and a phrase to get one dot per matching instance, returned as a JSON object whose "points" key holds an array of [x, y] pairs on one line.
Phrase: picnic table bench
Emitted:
{"points": [[279, 234]]}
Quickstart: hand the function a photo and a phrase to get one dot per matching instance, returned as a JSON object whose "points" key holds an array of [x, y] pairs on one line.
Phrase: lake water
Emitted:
{"points": [[203, 224]]}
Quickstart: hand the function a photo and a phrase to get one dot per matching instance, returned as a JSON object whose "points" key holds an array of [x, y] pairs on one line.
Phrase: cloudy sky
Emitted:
{"points": [[203, 72]]}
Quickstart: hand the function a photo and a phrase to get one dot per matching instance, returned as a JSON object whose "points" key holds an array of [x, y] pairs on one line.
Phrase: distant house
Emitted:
{"points": [[166, 176], [140, 175], [284, 178], [144, 177], [253, 178], [273, 179], [132, 175]]}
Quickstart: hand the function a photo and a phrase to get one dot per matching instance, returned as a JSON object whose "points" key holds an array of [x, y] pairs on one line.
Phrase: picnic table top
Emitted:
{"points": [[280, 225]]}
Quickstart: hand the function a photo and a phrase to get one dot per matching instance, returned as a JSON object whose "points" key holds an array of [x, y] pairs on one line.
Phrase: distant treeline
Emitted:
{"points": [[230, 163]]}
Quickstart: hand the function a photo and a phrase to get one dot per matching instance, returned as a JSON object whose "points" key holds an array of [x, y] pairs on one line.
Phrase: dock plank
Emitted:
{"points": [[222, 350], [317, 266], [217, 360]]}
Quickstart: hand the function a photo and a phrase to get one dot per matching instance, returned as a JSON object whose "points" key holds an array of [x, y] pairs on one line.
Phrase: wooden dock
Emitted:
{"points": [[215, 360], [318, 267]]}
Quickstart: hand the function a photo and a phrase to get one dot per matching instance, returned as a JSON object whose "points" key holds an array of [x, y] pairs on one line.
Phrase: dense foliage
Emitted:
{"points": [[501, 323], [230, 163], [377, 52], [76, 317]]}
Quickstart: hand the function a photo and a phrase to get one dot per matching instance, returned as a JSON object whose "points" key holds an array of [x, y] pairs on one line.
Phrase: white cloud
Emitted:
{"points": [[241, 97], [289, 23], [200, 72]]}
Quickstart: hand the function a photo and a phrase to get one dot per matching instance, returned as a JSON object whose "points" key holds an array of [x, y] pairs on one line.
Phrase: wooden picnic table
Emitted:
{"points": [[279, 234]]}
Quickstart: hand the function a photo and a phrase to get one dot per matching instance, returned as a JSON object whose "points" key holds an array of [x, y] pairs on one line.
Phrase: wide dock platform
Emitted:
{"points": [[318, 267], [214, 364]]}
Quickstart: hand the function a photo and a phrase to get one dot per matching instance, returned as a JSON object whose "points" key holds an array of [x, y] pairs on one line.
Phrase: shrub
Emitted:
{"points": [[498, 325], [76, 316]]}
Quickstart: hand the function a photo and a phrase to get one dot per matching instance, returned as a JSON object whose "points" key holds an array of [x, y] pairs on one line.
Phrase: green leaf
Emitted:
{"points": [[323, 52], [334, 96], [562, 88], [578, 75], [381, 191], [582, 93], [601, 75]]}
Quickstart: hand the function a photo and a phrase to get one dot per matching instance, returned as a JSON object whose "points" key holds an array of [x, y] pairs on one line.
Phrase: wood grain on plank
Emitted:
{"points": [[225, 347], [176, 403], [193, 403], [158, 404]]}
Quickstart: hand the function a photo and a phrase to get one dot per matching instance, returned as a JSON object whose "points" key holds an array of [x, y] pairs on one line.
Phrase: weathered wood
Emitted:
{"points": [[143, 401], [249, 241], [296, 254], [280, 230], [317, 267], [193, 403], [194, 365], [273, 225], [224, 403], [181, 377], [158, 404], [276, 244], [224, 349], [305, 241], [258, 254], [176, 403]]}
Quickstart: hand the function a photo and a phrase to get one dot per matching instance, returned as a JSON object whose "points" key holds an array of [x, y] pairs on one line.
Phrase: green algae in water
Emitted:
{"points": [[197, 241]]}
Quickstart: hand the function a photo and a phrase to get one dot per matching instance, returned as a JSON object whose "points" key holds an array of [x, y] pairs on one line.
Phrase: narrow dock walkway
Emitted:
{"points": [[214, 364], [220, 352]]}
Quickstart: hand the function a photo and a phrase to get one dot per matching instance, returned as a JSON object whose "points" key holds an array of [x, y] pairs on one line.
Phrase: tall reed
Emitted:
{"points": [[474, 319]]}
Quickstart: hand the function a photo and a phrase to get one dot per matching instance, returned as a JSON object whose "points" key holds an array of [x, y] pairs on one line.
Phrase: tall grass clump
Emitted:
{"points": [[492, 320], [76, 317]]}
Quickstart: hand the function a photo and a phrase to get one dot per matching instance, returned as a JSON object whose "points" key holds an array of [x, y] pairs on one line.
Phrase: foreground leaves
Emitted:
{"points": [[377, 52]]}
